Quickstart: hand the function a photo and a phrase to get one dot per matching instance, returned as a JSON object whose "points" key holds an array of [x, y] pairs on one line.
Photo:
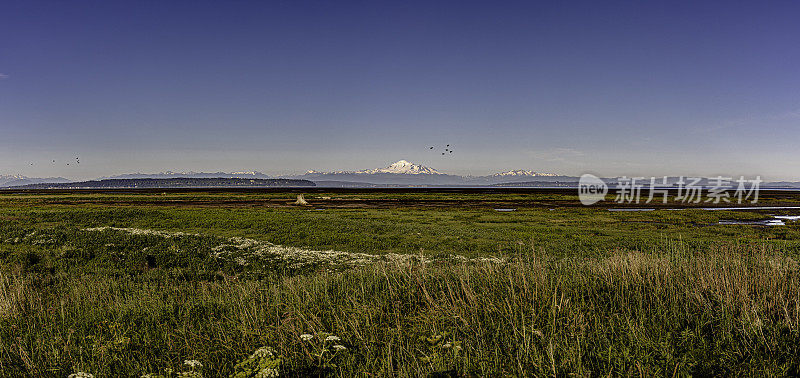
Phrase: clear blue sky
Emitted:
{"points": [[613, 88]]}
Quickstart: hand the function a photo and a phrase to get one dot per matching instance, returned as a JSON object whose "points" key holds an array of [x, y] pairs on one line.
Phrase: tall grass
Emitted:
{"points": [[730, 311]]}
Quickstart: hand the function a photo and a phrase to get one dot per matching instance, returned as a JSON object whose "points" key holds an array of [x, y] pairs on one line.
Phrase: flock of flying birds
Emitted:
{"points": [[77, 161], [446, 150]]}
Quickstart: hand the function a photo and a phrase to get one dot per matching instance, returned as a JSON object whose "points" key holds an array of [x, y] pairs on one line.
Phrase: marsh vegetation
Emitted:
{"points": [[136, 289]]}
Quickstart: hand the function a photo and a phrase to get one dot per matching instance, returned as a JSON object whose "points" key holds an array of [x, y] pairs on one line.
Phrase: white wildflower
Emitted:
{"points": [[340, 347], [306, 337], [193, 363], [81, 374], [332, 338], [263, 352], [447, 346], [267, 373]]}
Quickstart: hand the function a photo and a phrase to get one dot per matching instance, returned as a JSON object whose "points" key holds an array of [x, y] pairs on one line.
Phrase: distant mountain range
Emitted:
{"points": [[170, 174], [523, 173], [401, 167], [183, 182], [399, 174], [404, 167], [17, 180], [406, 173]]}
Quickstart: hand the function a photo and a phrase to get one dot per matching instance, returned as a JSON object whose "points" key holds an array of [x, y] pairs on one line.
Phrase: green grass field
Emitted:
{"points": [[129, 285]]}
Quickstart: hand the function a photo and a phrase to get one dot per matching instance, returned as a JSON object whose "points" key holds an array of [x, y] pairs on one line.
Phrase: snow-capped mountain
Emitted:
{"points": [[521, 173], [16, 180], [403, 167], [11, 177], [401, 172]]}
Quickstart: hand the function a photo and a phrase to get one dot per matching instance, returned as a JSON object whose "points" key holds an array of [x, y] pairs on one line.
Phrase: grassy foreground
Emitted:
{"points": [[732, 311], [196, 291]]}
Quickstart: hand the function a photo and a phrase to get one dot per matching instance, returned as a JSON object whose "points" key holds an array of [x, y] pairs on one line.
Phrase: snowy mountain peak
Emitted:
{"points": [[404, 167], [15, 180], [521, 172], [12, 177]]}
